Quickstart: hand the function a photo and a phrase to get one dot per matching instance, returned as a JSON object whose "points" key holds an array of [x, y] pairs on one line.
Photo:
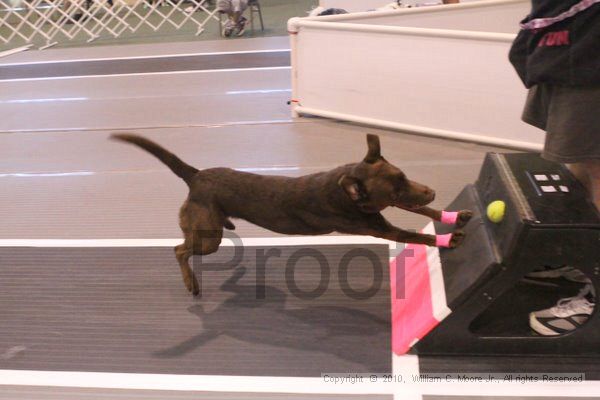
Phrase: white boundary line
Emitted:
{"points": [[155, 127], [268, 384], [201, 383], [256, 241], [52, 78], [16, 50], [74, 60]]}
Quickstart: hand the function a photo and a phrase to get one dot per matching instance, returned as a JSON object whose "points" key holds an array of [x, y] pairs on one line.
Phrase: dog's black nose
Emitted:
{"points": [[431, 194]]}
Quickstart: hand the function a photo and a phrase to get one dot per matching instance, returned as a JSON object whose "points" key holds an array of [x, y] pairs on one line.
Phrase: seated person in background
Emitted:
{"points": [[78, 5], [319, 11], [235, 20], [414, 3]]}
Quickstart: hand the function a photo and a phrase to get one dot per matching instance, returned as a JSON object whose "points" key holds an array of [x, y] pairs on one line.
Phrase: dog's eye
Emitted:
{"points": [[400, 184]]}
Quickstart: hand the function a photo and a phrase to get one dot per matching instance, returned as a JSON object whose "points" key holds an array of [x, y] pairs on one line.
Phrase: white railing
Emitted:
{"points": [[440, 71], [49, 22]]}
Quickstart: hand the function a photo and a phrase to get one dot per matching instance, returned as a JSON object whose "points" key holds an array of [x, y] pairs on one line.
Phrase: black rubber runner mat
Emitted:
{"points": [[126, 310], [147, 65]]}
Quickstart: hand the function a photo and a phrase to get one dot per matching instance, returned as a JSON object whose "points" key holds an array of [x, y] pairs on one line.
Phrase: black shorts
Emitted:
{"points": [[571, 119]]}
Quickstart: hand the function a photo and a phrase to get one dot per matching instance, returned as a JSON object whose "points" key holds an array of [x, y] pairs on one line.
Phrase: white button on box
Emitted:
{"points": [[564, 189], [548, 189], [555, 177], [540, 177]]}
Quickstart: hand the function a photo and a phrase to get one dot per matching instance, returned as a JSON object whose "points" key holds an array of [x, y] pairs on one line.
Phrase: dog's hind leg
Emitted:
{"points": [[183, 253], [228, 224], [203, 231]]}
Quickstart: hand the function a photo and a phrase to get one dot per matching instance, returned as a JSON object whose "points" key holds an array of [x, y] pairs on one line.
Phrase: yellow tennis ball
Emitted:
{"points": [[495, 211]]}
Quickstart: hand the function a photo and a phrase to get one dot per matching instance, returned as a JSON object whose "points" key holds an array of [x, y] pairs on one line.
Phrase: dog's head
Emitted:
{"points": [[374, 184]]}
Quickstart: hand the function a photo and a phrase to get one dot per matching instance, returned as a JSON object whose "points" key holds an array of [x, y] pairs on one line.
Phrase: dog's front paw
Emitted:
{"points": [[457, 238], [463, 218]]}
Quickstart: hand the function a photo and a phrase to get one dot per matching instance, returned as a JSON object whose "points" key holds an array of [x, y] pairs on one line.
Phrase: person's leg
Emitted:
{"points": [[239, 6], [241, 24], [569, 314], [235, 16], [570, 118], [594, 171], [588, 173], [581, 173]]}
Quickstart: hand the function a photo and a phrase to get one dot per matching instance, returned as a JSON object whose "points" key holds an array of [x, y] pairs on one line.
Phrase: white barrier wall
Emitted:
{"points": [[365, 5], [481, 17], [352, 5], [454, 82]]}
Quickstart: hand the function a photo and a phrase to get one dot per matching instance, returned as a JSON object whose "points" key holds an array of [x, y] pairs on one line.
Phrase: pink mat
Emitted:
{"points": [[418, 294]]}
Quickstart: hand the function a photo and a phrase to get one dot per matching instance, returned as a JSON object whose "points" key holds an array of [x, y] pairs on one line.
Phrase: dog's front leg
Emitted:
{"points": [[381, 228], [458, 218], [450, 240]]}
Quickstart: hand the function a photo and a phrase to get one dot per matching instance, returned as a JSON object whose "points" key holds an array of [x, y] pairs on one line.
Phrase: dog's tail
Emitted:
{"points": [[181, 169]]}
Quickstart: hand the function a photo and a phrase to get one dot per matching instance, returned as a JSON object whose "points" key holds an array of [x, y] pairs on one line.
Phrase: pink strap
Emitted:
{"points": [[544, 22], [449, 217], [443, 240]]}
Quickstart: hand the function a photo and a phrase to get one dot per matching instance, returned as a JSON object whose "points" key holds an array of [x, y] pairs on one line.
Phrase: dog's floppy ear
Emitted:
{"points": [[353, 187], [374, 152]]}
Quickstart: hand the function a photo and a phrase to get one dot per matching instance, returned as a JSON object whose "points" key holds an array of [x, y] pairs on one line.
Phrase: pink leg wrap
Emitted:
{"points": [[449, 217], [443, 240]]}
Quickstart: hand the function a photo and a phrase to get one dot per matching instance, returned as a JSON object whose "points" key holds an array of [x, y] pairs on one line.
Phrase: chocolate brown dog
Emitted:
{"points": [[347, 199]]}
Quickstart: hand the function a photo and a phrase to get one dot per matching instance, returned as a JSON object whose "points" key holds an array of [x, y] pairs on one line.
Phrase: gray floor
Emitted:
{"points": [[146, 50], [239, 119], [90, 187], [162, 64], [63, 179], [191, 99]]}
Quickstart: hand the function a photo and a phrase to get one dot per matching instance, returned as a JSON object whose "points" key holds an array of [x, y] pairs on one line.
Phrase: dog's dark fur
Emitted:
{"points": [[347, 199]]}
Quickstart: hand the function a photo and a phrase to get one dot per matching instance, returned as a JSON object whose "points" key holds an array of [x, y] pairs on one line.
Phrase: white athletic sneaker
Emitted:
{"points": [[568, 314], [566, 272]]}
